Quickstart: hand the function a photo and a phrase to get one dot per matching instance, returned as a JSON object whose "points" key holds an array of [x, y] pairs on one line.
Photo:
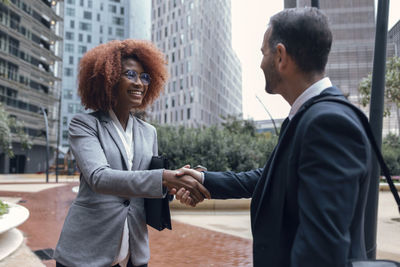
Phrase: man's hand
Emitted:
{"points": [[182, 194], [197, 191]]}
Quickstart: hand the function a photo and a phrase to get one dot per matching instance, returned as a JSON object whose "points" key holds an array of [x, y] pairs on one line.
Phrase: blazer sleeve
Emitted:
{"points": [[333, 164], [223, 185], [89, 154]]}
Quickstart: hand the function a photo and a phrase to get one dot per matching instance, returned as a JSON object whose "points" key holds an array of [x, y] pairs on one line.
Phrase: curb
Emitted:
{"points": [[385, 186], [214, 204], [236, 204]]}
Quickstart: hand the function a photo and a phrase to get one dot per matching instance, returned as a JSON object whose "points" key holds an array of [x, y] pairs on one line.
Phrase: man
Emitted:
{"points": [[308, 201]]}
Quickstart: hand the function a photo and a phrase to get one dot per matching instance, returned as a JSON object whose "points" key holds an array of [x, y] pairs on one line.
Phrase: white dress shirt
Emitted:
{"points": [[127, 140], [309, 93]]}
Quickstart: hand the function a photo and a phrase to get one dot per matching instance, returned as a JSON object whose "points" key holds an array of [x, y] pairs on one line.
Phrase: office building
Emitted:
{"points": [[89, 23], [205, 74], [394, 37], [30, 76]]}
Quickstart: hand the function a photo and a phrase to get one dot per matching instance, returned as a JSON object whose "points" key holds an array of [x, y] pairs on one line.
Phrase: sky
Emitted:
{"points": [[249, 21]]}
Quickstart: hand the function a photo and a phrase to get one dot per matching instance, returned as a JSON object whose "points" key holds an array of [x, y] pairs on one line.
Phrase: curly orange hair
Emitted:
{"points": [[100, 71]]}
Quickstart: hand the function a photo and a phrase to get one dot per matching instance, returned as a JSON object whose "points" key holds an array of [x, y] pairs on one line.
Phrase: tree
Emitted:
{"points": [[9, 126], [392, 88], [391, 153]]}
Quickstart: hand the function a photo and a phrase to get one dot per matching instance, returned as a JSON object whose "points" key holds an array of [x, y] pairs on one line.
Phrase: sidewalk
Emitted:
{"points": [[216, 234]]}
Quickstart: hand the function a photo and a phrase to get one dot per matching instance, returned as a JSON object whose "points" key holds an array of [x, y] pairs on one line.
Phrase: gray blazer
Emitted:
{"points": [[108, 192]]}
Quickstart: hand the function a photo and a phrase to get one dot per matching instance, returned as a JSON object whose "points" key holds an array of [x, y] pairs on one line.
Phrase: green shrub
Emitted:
{"points": [[234, 146]]}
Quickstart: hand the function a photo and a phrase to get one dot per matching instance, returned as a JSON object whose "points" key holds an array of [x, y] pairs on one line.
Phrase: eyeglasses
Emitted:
{"points": [[133, 75]]}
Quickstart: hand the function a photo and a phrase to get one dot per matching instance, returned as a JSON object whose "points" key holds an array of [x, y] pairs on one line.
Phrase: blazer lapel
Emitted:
{"points": [[264, 182], [107, 123], [265, 179], [137, 144]]}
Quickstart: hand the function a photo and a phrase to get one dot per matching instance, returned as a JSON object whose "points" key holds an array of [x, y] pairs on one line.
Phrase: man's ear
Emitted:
{"points": [[281, 57]]}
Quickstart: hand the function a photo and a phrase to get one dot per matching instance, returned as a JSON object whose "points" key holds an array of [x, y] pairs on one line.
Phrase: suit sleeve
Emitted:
{"points": [[332, 165], [92, 162], [223, 185]]}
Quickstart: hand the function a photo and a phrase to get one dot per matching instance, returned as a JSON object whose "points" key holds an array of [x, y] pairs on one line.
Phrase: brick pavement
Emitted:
{"points": [[185, 246]]}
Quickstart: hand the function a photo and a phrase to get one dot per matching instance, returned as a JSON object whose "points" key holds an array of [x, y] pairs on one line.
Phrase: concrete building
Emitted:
{"points": [[30, 75], [353, 26], [394, 37], [205, 73], [89, 23], [394, 41], [264, 126]]}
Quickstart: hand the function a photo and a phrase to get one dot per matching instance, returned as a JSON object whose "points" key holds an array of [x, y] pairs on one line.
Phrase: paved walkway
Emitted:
{"points": [[207, 236]]}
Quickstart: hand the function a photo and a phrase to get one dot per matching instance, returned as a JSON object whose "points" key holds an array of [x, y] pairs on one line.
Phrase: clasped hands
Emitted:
{"points": [[186, 185]]}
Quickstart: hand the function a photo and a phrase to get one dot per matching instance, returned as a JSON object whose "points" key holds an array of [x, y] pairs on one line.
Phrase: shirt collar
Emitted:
{"points": [[118, 123], [310, 92]]}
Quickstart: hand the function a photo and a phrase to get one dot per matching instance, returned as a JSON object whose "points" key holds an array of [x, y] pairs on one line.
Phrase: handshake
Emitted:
{"points": [[186, 184]]}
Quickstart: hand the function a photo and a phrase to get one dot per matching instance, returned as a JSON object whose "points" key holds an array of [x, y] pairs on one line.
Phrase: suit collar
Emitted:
{"points": [[314, 90]]}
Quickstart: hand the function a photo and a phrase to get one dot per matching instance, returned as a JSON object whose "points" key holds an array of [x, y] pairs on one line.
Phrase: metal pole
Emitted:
{"points": [[272, 119], [47, 143], [58, 134], [315, 3], [376, 118]]}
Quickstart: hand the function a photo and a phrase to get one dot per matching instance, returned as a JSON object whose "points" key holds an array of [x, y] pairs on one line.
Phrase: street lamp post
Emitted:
{"points": [[47, 142], [269, 114], [376, 121]]}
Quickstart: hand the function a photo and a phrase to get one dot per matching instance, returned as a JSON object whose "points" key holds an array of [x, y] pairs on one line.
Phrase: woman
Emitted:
{"points": [[106, 224]]}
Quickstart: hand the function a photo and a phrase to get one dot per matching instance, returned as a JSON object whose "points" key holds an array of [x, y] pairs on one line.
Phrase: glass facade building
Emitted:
{"points": [[205, 73]]}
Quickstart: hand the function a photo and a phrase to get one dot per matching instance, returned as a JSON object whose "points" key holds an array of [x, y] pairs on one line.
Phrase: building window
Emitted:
{"points": [[70, 11], [90, 3], [191, 97], [112, 8], [69, 35], [81, 3], [188, 20], [188, 114], [69, 48], [68, 72], [87, 15], [68, 94], [70, 108], [80, 37], [71, 60], [85, 26], [109, 30], [72, 24], [122, 11], [89, 38], [98, 17], [82, 49], [119, 32], [71, 2], [118, 21], [65, 135]]}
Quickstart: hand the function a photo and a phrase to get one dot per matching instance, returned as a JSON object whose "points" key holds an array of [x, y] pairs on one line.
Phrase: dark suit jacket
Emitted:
{"points": [[308, 201]]}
